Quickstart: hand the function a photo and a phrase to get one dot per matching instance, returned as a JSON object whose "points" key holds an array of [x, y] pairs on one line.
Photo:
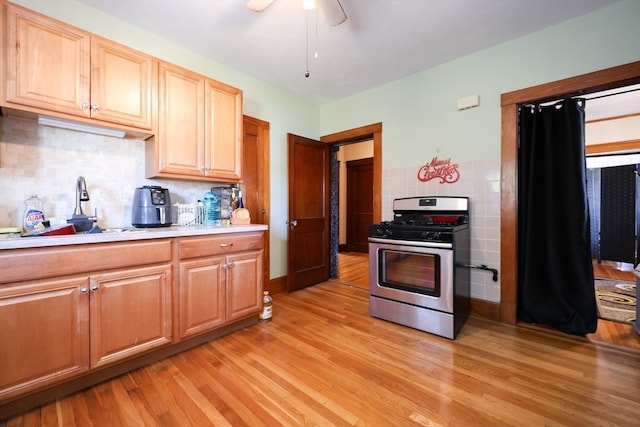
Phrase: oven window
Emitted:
{"points": [[410, 271]]}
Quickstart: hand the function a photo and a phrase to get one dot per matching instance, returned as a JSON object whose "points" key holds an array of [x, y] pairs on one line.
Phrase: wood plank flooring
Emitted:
{"points": [[323, 361], [354, 270]]}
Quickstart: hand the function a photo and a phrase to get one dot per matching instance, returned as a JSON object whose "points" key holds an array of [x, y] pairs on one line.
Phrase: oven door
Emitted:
{"points": [[417, 273]]}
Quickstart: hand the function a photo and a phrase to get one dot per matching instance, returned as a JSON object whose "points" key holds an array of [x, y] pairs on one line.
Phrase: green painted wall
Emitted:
{"points": [[418, 112]]}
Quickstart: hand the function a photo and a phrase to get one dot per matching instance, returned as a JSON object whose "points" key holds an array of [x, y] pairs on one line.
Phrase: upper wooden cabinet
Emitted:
{"points": [[54, 67], [200, 128]]}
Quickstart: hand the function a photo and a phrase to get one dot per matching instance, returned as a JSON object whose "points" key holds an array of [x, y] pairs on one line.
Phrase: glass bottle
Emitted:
{"points": [[240, 202], [267, 307]]}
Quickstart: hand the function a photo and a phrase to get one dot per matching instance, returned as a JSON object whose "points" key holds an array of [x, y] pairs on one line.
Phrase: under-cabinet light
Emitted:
{"points": [[80, 127]]}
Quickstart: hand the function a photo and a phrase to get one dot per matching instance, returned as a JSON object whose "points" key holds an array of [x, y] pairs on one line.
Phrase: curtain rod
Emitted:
{"points": [[608, 94]]}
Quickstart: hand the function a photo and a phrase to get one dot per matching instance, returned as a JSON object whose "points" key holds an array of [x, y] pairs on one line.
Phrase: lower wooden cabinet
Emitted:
{"points": [[130, 313], [57, 329], [44, 334], [202, 295], [66, 320], [220, 281], [244, 285]]}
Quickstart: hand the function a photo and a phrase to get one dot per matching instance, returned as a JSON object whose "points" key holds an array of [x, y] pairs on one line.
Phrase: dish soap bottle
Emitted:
{"points": [[33, 214]]}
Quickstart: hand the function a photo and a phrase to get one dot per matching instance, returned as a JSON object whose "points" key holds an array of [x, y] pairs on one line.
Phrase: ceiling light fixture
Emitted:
{"points": [[80, 127], [315, 55]]}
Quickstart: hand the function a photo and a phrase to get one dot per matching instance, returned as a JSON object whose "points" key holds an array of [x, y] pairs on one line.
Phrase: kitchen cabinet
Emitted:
{"points": [[81, 309], [202, 295], [57, 69], [44, 331], [130, 313], [200, 128], [220, 281], [74, 314]]}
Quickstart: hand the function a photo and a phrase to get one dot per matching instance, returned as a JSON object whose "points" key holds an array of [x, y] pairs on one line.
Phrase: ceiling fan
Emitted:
{"points": [[332, 9]]}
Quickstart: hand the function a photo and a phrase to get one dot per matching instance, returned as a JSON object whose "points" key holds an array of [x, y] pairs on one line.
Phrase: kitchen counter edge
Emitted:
{"points": [[132, 235]]}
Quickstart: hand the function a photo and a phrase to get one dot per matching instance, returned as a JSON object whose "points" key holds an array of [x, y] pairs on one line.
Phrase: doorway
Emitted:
{"points": [[372, 134], [589, 83]]}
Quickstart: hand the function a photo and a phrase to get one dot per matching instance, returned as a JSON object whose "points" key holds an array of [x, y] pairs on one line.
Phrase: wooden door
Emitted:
{"points": [[244, 284], [223, 132], [44, 331], [47, 63], [130, 313], [359, 204], [309, 203], [201, 295], [123, 83], [255, 178], [181, 122]]}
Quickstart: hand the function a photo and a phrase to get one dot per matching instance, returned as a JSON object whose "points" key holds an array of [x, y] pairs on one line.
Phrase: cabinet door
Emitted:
{"points": [[223, 132], [122, 82], [44, 331], [244, 284], [130, 313], [202, 295], [47, 63], [180, 142]]}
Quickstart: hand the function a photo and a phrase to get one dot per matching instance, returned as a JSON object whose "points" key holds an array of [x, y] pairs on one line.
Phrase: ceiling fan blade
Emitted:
{"points": [[333, 11], [258, 5]]}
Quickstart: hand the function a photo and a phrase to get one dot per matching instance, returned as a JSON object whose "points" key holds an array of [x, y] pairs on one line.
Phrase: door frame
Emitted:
{"points": [[372, 132], [360, 134], [264, 192], [352, 193], [609, 78]]}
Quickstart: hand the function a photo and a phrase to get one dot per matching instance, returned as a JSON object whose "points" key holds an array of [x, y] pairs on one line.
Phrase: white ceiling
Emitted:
{"points": [[381, 41]]}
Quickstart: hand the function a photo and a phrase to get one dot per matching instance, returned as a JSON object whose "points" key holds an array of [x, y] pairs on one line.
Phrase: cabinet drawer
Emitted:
{"points": [[32, 264], [224, 244]]}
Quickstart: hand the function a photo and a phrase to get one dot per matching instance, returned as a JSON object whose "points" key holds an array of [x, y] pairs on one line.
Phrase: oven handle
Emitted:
{"points": [[412, 243]]}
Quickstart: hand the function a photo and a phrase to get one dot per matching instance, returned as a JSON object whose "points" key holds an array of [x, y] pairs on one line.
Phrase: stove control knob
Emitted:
{"points": [[382, 232]]}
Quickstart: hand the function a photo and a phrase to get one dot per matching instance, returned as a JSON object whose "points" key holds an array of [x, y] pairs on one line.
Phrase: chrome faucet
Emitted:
{"points": [[81, 196]]}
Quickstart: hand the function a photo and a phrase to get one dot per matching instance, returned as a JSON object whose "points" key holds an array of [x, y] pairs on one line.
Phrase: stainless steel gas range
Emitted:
{"points": [[419, 265]]}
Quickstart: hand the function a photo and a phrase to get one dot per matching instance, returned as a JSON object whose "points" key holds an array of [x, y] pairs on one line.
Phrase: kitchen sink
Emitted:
{"points": [[121, 230]]}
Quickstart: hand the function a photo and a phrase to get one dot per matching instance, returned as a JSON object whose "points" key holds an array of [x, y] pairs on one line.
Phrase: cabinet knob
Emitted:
{"points": [[95, 288], [85, 105], [226, 245], [84, 290], [229, 265], [95, 107]]}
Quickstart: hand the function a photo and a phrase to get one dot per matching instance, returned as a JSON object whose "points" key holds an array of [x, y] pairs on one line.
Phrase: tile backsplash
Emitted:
{"points": [[46, 161], [480, 181]]}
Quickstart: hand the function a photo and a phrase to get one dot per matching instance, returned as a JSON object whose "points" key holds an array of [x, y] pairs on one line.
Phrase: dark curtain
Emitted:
{"points": [[593, 197], [555, 271], [618, 213]]}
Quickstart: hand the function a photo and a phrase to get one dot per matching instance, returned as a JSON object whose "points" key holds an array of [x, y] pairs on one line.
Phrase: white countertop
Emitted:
{"points": [[133, 234]]}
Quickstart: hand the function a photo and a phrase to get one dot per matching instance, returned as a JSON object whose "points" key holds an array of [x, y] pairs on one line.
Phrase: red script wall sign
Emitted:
{"points": [[446, 171]]}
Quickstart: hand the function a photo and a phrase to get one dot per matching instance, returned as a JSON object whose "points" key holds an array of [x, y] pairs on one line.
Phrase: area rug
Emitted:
{"points": [[616, 300]]}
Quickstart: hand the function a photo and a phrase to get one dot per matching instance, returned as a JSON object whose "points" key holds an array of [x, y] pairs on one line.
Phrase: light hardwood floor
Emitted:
{"points": [[354, 269], [324, 361]]}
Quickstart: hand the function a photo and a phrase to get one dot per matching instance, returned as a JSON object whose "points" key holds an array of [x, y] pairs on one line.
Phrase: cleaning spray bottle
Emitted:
{"points": [[33, 214]]}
